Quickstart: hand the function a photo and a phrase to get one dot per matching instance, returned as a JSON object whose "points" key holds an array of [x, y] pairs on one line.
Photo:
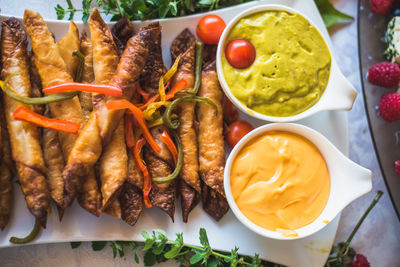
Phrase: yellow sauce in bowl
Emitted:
{"points": [[292, 65], [280, 181]]}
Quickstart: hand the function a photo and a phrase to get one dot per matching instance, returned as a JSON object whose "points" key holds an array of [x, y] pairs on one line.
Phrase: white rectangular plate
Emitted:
{"points": [[79, 225]]}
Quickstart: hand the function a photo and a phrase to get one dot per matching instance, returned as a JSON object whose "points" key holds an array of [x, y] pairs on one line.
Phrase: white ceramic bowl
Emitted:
{"points": [[348, 180], [338, 95]]}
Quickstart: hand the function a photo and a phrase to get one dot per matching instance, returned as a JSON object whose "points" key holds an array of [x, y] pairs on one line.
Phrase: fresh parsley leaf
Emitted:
{"points": [[75, 244], [98, 245], [60, 11], [198, 256], [203, 238], [330, 14]]}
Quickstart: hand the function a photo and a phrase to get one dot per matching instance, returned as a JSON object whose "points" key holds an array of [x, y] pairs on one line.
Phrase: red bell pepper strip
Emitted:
{"points": [[85, 87], [129, 138], [166, 139], [144, 94], [147, 179], [123, 104], [24, 114]]}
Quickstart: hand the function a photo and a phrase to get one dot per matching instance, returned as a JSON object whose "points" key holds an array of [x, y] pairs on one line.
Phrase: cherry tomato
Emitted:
{"points": [[230, 112], [240, 53], [210, 28], [236, 131]]}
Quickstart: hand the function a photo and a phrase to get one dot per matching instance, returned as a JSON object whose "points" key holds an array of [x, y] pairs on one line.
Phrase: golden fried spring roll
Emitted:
{"points": [[5, 172], [189, 182], [24, 137], [211, 144], [68, 44], [113, 166], [85, 98], [52, 70], [88, 146], [55, 162]]}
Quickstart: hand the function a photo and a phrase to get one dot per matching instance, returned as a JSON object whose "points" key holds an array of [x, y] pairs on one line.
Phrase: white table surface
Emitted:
{"points": [[379, 236]]}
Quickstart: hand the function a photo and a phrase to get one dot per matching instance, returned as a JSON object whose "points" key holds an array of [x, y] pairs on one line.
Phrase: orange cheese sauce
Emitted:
{"points": [[280, 181]]}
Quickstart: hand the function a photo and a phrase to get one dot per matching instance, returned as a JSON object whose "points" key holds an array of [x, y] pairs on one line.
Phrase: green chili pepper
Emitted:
{"points": [[179, 163], [32, 235], [34, 100], [197, 69], [174, 124], [79, 70]]}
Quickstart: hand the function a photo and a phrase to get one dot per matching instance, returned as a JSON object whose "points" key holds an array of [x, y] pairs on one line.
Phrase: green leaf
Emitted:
{"points": [[196, 258], [176, 248], [330, 14], [256, 261], [148, 244], [136, 257], [149, 259], [213, 262], [60, 11], [75, 244], [98, 245], [203, 238]]}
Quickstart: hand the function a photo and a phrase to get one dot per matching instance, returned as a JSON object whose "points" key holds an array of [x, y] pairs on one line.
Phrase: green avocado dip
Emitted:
{"points": [[292, 65]]}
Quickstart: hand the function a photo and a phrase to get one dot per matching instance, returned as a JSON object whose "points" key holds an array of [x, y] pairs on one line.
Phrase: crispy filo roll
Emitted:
{"points": [[159, 164], [211, 144], [6, 168], [85, 98], [189, 180], [67, 45], [88, 146], [52, 70], [114, 160], [24, 137], [36, 83]]}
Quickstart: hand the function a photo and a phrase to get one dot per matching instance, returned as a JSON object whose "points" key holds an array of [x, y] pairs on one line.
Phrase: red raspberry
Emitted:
{"points": [[397, 165], [384, 74], [360, 261], [381, 7], [389, 107]]}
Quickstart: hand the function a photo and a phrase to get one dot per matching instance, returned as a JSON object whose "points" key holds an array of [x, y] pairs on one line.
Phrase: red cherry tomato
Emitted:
{"points": [[236, 131], [210, 28], [230, 112], [240, 53]]}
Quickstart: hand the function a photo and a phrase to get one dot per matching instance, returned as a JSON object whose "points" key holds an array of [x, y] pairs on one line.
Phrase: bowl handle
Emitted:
{"points": [[357, 182], [342, 96]]}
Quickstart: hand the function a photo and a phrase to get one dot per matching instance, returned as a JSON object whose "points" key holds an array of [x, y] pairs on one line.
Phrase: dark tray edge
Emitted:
{"points": [[367, 113]]}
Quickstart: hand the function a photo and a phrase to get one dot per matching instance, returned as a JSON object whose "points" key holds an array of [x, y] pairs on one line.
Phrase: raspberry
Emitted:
{"points": [[384, 74], [389, 107], [397, 165], [381, 7], [360, 261]]}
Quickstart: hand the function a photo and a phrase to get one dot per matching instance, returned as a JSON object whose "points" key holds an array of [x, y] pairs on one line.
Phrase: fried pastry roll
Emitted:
{"points": [[6, 168], [52, 70], [189, 180], [36, 83], [24, 137], [121, 32], [211, 144], [68, 44], [159, 164], [85, 98], [131, 202], [114, 160], [88, 146]]}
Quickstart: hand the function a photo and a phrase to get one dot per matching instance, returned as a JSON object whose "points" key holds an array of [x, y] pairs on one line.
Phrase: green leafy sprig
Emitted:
{"points": [[154, 9]]}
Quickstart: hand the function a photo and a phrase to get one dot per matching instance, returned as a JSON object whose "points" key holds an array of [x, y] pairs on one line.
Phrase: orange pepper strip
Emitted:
{"points": [[144, 94], [123, 104], [147, 179], [27, 115], [129, 138], [166, 139], [85, 87], [181, 85]]}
